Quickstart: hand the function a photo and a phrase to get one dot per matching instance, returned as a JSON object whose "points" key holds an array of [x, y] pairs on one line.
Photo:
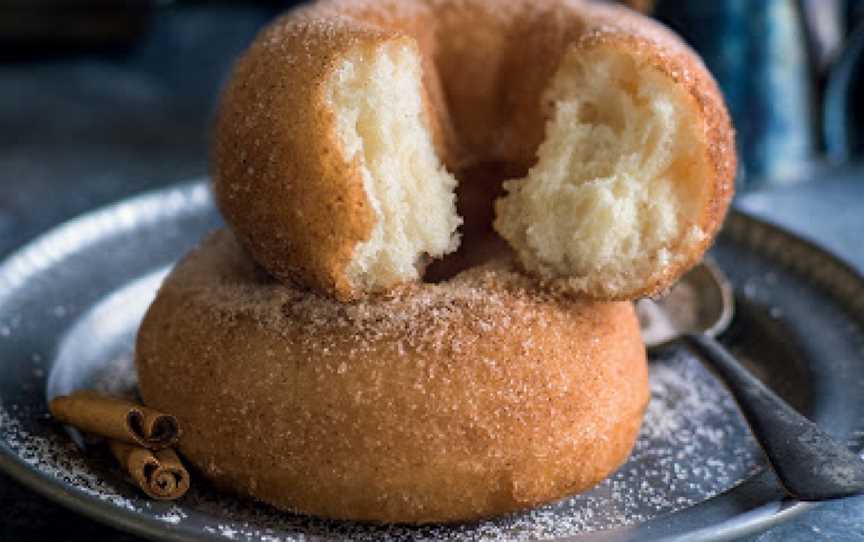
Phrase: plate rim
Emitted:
{"points": [[749, 522]]}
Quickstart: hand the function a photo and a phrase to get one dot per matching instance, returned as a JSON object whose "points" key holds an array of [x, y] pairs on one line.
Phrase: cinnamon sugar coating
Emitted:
{"points": [[301, 209], [434, 402]]}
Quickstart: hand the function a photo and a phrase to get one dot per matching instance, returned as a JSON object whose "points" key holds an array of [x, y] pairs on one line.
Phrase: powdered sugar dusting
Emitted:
{"points": [[173, 515], [59, 458]]}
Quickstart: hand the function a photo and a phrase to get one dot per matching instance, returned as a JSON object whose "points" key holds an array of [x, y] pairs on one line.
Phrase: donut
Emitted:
{"points": [[470, 398], [340, 135]]}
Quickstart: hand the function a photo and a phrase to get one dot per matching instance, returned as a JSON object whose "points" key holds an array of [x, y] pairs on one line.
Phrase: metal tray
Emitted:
{"points": [[71, 300]]}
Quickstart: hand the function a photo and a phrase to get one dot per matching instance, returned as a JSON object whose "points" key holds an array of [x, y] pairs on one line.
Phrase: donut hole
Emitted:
{"points": [[377, 100], [479, 186], [616, 194]]}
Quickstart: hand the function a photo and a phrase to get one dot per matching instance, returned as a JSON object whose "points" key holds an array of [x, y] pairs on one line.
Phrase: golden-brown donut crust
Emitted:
{"points": [[464, 400], [277, 177], [657, 46], [300, 210]]}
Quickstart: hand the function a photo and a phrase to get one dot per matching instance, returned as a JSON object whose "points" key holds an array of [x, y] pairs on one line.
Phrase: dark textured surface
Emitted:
{"points": [[80, 131], [813, 466], [83, 130], [830, 211]]}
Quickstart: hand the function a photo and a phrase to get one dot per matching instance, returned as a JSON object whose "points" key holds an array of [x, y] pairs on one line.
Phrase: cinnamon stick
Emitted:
{"points": [[116, 419], [159, 474]]}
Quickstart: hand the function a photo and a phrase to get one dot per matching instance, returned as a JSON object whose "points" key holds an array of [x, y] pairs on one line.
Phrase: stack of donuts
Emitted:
{"points": [[439, 214]]}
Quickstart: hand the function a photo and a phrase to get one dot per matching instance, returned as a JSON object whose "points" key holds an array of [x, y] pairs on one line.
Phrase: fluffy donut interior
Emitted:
{"points": [[616, 191], [376, 96]]}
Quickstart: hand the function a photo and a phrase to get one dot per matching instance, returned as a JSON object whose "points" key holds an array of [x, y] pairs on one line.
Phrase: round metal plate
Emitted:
{"points": [[70, 303]]}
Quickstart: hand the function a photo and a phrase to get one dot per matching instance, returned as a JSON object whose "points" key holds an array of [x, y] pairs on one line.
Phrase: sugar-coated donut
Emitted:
{"points": [[338, 130], [430, 403]]}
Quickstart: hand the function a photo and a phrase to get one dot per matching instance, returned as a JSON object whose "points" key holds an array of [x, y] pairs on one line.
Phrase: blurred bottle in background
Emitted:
{"points": [[843, 121], [758, 50], [792, 72]]}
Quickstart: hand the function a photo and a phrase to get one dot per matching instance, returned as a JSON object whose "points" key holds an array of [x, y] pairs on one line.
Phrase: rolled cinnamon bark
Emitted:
{"points": [[159, 474], [116, 419]]}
